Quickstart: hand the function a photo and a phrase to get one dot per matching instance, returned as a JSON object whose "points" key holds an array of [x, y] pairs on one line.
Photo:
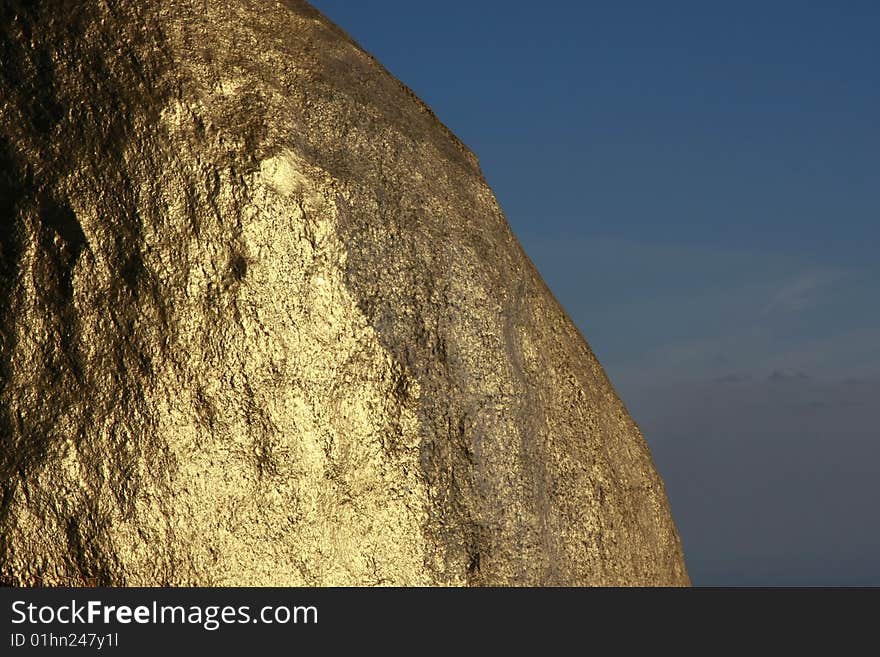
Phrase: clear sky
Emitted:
{"points": [[699, 183]]}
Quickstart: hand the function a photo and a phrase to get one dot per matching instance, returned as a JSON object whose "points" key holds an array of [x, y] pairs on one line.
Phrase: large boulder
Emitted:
{"points": [[263, 323]]}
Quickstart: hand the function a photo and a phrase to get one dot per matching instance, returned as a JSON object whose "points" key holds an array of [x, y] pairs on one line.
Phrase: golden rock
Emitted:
{"points": [[263, 323]]}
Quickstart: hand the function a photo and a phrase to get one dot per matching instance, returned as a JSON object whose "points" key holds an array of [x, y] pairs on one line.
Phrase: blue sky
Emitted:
{"points": [[699, 183]]}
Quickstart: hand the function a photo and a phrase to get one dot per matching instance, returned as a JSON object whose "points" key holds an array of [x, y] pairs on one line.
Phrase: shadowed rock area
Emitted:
{"points": [[263, 323]]}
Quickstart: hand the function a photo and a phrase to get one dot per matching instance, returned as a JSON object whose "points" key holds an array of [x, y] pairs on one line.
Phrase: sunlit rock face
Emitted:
{"points": [[264, 323]]}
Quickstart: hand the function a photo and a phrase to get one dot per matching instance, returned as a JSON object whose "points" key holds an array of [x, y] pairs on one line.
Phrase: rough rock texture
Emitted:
{"points": [[264, 323]]}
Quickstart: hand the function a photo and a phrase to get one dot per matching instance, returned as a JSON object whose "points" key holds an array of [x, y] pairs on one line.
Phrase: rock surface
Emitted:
{"points": [[263, 323]]}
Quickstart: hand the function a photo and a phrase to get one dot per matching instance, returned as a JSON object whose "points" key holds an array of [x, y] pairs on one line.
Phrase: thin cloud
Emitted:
{"points": [[677, 312], [803, 292]]}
